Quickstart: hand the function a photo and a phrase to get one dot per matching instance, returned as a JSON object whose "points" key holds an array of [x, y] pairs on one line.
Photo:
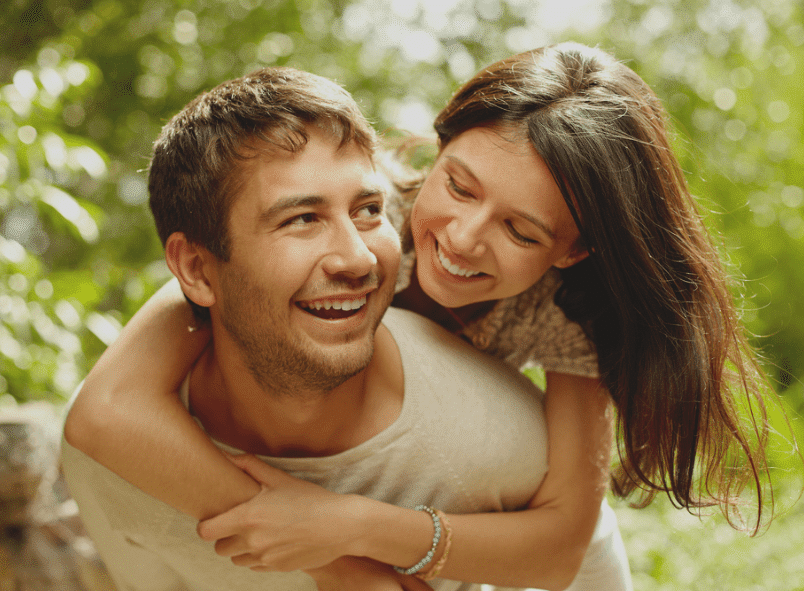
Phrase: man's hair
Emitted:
{"points": [[195, 175]]}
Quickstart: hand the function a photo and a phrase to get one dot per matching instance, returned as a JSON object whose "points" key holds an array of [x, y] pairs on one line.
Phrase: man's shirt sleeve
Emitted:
{"points": [[131, 565]]}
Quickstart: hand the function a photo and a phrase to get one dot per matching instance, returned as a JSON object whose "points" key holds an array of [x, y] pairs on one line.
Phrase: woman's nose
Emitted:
{"points": [[465, 235]]}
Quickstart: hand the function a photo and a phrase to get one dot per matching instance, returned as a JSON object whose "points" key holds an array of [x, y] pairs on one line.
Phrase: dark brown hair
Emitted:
{"points": [[193, 175], [653, 295]]}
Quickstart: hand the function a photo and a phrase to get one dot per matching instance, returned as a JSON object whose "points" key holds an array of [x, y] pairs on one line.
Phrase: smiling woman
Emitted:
{"points": [[483, 233]]}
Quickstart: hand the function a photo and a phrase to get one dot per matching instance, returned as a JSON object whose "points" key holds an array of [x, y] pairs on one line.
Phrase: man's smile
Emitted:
{"points": [[334, 307]]}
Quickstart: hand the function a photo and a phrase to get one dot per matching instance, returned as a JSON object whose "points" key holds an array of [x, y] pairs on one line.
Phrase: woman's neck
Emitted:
{"points": [[414, 298]]}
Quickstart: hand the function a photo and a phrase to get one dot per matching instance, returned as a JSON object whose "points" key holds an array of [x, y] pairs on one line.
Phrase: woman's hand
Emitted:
{"points": [[289, 525], [361, 574]]}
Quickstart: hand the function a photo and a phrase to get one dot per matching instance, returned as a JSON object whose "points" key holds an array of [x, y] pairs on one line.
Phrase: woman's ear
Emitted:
{"points": [[575, 256], [192, 265]]}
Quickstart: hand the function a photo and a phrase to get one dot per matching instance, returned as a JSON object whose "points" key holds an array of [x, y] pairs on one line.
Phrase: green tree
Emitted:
{"points": [[87, 85]]}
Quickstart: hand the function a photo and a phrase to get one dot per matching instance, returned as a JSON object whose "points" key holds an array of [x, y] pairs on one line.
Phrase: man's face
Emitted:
{"points": [[313, 265]]}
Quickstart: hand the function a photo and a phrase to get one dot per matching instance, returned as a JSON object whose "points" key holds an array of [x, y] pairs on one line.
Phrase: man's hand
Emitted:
{"points": [[289, 525], [361, 574]]}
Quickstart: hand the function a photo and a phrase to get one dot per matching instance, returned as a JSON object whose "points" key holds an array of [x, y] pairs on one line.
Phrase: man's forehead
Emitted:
{"points": [[323, 171]]}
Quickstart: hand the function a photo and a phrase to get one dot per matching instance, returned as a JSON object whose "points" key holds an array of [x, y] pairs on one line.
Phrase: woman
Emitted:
{"points": [[555, 188]]}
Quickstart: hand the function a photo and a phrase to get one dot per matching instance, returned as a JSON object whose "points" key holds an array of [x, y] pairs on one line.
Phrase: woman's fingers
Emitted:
{"points": [[231, 546], [247, 560], [224, 525], [257, 469]]}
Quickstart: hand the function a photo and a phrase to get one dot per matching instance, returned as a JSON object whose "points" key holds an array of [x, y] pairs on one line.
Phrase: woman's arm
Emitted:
{"points": [[542, 546], [545, 545], [129, 418]]}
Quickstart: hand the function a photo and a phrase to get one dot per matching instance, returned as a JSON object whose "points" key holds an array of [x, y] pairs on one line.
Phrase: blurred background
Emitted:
{"points": [[85, 86]]}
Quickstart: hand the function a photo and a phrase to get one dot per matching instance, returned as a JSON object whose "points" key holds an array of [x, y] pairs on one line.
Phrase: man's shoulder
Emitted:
{"points": [[426, 346]]}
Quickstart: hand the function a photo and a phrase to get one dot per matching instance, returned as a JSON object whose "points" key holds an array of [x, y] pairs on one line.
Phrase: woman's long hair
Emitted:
{"points": [[653, 294]]}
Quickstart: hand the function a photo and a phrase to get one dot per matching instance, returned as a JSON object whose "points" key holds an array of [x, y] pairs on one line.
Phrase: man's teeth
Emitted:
{"points": [[453, 268], [344, 305]]}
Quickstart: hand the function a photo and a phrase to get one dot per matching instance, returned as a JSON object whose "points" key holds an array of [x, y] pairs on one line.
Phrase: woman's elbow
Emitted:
{"points": [[566, 567], [87, 422]]}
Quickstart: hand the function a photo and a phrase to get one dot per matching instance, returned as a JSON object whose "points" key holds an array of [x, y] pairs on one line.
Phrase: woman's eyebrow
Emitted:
{"points": [[466, 168], [538, 223]]}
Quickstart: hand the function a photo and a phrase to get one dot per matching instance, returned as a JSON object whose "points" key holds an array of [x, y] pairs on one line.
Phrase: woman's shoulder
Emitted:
{"points": [[531, 329]]}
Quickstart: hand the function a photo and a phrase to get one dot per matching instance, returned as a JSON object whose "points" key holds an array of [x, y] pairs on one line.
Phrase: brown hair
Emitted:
{"points": [[653, 294], [193, 173]]}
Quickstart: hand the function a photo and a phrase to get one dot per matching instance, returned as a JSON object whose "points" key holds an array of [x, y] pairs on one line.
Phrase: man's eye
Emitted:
{"points": [[368, 211], [300, 220]]}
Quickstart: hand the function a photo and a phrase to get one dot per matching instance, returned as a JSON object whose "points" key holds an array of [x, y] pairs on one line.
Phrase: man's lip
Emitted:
{"points": [[333, 311], [336, 298]]}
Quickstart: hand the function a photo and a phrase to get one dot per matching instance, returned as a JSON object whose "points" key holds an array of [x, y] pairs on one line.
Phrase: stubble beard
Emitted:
{"points": [[282, 364]]}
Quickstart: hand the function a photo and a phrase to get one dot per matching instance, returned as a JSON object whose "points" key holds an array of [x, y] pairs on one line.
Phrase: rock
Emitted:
{"points": [[29, 436], [43, 545]]}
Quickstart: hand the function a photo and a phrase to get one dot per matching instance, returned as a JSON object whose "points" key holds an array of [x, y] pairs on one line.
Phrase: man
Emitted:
{"points": [[265, 195]]}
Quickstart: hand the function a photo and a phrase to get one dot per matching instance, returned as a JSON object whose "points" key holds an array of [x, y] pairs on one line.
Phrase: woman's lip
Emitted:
{"points": [[445, 273], [444, 256]]}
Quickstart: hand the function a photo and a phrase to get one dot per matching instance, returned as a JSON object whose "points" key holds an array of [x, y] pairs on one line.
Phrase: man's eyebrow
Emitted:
{"points": [[533, 220], [370, 191], [288, 203], [300, 201]]}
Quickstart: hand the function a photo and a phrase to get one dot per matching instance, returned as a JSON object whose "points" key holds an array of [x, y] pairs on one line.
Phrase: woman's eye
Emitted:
{"points": [[457, 188], [519, 237], [300, 220], [369, 211]]}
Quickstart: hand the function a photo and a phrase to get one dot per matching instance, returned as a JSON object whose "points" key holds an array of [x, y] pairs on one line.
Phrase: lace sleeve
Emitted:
{"points": [[530, 329], [563, 346]]}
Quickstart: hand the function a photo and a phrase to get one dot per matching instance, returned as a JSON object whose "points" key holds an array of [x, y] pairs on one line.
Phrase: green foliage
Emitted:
{"points": [[670, 549], [87, 85]]}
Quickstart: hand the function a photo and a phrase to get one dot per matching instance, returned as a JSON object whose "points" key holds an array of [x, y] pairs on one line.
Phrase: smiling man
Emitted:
{"points": [[309, 271], [266, 197]]}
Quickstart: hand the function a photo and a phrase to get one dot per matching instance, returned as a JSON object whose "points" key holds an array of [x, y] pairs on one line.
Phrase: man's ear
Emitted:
{"points": [[193, 266], [575, 256]]}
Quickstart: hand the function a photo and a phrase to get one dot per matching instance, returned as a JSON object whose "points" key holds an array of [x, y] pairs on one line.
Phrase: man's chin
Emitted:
{"points": [[324, 370]]}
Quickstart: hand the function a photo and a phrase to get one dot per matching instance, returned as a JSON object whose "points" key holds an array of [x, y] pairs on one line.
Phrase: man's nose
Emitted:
{"points": [[348, 253]]}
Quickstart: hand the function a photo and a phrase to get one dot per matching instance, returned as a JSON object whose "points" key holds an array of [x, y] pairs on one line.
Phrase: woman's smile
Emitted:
{"points": [[482, 233], [454, 268]]}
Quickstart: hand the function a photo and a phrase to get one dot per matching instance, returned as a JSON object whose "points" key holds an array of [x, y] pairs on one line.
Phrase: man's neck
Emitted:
{"points": [[237, 411]]}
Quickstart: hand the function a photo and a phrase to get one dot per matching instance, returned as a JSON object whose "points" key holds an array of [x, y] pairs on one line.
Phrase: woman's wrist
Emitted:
{"points": [[392, 535]]}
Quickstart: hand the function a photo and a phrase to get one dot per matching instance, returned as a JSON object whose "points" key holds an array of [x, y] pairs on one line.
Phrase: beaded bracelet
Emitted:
{"points": [[436, 539], [438, 566]]}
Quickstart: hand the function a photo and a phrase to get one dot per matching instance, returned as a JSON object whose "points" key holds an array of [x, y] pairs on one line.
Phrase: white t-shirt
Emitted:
{"points": [[471, 437]]}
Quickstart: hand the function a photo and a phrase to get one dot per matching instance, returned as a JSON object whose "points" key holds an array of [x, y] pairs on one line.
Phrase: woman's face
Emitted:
{"points": [[489, 221]]}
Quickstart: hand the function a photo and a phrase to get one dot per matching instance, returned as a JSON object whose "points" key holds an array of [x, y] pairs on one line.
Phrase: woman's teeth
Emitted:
{"points": [[453, 268], [344, 305]]}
